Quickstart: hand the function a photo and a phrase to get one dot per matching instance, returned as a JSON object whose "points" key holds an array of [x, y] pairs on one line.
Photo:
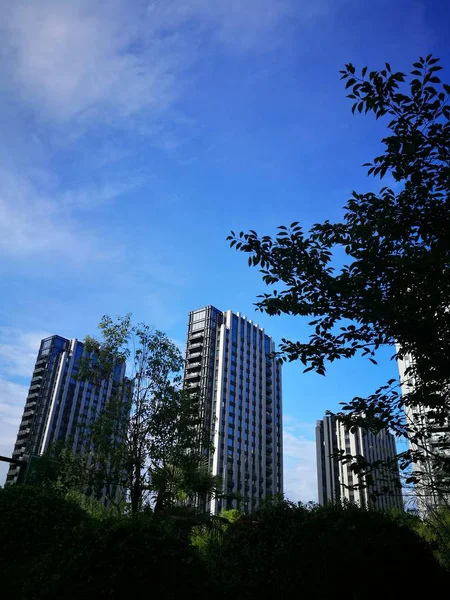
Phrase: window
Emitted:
{"points": [[200, 315], [198, 325], [46, 344]]}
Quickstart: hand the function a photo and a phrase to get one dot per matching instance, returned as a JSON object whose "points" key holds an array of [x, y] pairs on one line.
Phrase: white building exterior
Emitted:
{"points": [[228, 365], [59, 408], [337, 482], [436, 442]]}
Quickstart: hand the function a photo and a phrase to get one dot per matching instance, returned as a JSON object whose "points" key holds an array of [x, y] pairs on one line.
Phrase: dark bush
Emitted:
{"points": [[333, 551], [50, 548], [135, 556], [33, 523]]}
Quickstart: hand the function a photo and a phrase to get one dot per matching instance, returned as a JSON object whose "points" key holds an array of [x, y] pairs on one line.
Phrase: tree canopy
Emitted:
{"points": [[144, 448], [395, 285], [154, 450]]}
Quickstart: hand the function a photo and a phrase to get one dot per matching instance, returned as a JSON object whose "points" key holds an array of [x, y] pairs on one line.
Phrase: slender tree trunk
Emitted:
{"points": [[136, 490], [159, 505]]}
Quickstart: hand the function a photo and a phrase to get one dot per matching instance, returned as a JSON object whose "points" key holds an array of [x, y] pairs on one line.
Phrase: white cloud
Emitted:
{"points": [[18, 351], [12, 401], [75, 68], [36, 219], [77, 60], [300, 473], [94, 62]]}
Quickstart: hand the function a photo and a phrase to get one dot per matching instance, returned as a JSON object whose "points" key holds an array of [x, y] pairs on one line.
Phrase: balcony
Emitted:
{"points": [[194, 365], [192, 376], [195, 345], [192, 385], [197, 335]]}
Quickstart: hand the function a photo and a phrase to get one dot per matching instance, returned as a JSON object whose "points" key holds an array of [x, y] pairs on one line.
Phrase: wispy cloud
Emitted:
{"points": [[18, 351], [300, 474], [86, 61], [12, 400], [75, 70], [36, 219], [104, 61]]}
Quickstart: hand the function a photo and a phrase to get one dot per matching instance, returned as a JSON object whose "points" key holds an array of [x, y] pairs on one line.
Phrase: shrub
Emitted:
{"points": [[285, 550]]}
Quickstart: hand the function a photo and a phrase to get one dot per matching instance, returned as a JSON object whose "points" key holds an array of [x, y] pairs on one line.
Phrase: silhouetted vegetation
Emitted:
{"points": [[51, 548], [394, 285]]}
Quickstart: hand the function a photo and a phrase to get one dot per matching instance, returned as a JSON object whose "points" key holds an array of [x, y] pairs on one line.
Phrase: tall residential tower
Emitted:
{"points": [[58, 406], [337, 482], [229, 366], [433, 485]]}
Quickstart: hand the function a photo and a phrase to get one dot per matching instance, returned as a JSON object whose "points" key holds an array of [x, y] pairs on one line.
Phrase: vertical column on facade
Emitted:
{"points": [[218, 440], [260, 420], [241, 350], [66, 370], [54, 399]]}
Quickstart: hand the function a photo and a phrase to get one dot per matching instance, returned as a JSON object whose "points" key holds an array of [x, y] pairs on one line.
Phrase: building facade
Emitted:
{"points": [[59, 408], [431, 489], [336, 481], [230, 369]]}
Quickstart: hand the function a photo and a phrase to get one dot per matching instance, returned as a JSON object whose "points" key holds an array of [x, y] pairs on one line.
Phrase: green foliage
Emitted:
{"points": [[395, 285], [33, 523], [60, 470], [53, 549], [134, 555], [155, 454], [205, 535], [231, 515], [435, 529], [282, 549]]}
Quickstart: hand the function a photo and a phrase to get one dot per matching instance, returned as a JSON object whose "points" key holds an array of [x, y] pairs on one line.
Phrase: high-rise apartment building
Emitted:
{"points": [[337, 482], [58, 406], [431, 489], [230, 369]]}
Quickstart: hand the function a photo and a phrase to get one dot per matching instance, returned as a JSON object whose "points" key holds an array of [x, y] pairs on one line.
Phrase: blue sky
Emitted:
{"points": [[135, 135]]}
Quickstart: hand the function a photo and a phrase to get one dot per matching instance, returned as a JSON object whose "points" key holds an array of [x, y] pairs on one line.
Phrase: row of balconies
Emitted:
{"points": [[193, 365]]}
